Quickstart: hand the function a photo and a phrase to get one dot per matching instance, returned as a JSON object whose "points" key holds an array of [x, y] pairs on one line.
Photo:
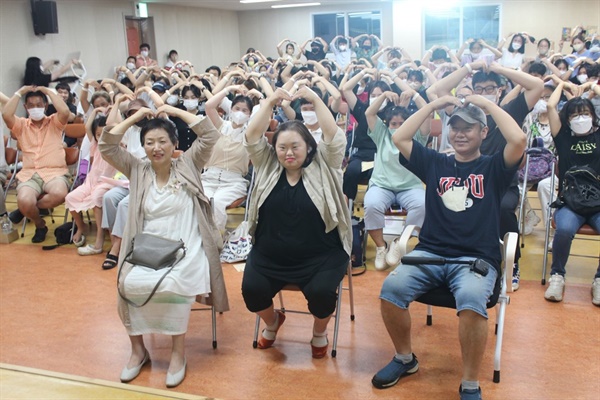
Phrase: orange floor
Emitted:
{"points": [[59, 314]]}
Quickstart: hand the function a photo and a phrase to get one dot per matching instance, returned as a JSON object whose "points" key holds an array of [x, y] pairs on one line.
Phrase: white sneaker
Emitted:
{"points": [[392, 258], [556, 288], [531, 220], [380, 263], [596, 292]]}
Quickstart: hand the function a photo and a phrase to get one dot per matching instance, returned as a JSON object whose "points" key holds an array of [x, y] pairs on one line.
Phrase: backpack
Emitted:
{"points": [[63, 234], [540, 165], [581, 190], [357, 256]]}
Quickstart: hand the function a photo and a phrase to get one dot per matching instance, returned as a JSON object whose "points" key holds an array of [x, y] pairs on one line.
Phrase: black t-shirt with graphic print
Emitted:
{"points": [[576, 150], [475, 231]]}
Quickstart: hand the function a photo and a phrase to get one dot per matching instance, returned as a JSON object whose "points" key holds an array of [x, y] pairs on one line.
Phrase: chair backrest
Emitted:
{"points": [[436, 128], [75, 131], [71, 155]]}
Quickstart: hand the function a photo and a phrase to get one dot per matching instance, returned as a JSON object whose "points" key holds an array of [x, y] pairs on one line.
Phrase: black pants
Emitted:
{"points": [[320, 290], [354, 175]]}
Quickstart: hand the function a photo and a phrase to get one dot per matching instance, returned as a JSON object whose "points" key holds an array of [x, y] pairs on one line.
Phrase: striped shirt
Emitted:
{"points": [[42, 148]]}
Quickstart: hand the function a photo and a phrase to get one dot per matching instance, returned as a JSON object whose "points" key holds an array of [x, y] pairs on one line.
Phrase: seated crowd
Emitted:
{"points": [[182, 144]]}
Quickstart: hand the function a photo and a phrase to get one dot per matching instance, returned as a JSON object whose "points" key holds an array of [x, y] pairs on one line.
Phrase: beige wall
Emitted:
{"points": [[264, 29]]}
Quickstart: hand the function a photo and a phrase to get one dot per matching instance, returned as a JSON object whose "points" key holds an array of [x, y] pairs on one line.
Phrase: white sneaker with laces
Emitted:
{"points": [[531, 220], [556, 288], [596, 292], [380, 263], [392, 258]]}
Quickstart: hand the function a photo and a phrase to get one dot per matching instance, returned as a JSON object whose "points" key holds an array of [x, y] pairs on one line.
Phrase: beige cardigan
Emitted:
{"points": [[187, 169], [322, 180]]}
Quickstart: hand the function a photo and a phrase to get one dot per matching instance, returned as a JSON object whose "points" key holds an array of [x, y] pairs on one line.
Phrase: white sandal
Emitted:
{"points": [[81, 241], [89, 250]]}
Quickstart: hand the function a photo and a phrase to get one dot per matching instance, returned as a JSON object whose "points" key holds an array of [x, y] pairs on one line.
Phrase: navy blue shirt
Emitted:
{"points": [[475, 231]]}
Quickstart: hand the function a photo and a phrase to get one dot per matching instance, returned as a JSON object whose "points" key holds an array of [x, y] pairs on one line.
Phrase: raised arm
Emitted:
{"points": [[260, 122], [332, 90], [60, 71], [373, 109], [9, 109], [403, 136], [553, 117], [516, 140], [62, 110], [533, 86]]}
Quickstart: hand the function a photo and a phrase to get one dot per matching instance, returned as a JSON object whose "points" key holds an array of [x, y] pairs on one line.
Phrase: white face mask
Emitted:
{"points": [[516, 46], [309, 117], [578, 46], [144, 53], [36, 114], [360, 90], [190, 104], [581, 125], [372, 99], [239, 117], [455, 198], [172, 100], [130, 66], [540, 107], [491, 97], [343, 48], [582, 78]]}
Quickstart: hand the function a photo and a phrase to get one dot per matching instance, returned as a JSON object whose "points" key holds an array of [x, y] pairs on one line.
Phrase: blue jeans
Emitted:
{"points": [[568, 223], [471, 290]]}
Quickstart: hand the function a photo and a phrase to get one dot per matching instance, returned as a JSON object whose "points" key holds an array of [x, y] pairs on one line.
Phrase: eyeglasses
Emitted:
{"points": [[487, 89]]}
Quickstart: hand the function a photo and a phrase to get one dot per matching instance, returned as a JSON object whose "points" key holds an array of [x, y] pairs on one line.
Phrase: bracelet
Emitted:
{"points": [[18, 94], [415, 96], [469, 68], [111, 92]]}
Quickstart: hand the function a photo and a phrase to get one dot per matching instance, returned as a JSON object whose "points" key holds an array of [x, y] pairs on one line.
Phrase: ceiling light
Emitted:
{"points": [[257, 1], [296, 5]]}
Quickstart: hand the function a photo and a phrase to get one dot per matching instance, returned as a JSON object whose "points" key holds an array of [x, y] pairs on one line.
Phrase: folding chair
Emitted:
{"points": [[336, 316], [442, 297], [214, 319]]}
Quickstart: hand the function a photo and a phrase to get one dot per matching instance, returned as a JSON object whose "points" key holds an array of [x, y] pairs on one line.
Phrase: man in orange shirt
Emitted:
{"points": [[44, 179]]}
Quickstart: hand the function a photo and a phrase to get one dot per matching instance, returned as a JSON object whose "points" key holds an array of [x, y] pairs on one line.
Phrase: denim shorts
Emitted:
{"points": [[471, 290]]}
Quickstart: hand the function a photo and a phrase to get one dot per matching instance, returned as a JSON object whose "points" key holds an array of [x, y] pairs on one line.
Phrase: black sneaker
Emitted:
{"points": [[16, 216], [389, 375], [469, 394], [40, 235]]}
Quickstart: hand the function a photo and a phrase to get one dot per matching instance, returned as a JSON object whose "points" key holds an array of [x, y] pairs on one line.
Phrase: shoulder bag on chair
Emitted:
{"points": [[154, 252], [581, 190], [238, 244]]}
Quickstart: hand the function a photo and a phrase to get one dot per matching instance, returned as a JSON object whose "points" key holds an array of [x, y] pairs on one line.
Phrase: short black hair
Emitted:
{"points": [[98, 123], [439, 54], [37, 93], [146, 45], [538, 68], [160, 123], [482, 76], [577, 105], [215, 67], [173, 52]]}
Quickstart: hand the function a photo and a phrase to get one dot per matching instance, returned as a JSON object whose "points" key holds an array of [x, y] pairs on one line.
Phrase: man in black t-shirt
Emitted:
{"points": [[463, 196]]}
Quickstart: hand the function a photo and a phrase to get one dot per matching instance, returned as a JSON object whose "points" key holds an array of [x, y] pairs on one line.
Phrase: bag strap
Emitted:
{"points": [[170, 268]]}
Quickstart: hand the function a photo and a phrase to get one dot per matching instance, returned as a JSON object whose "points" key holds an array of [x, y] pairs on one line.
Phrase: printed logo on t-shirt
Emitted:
{"points": [[473, 183], [583, 147]]}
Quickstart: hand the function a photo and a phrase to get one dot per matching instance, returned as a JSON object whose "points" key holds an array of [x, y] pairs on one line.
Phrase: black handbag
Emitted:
{"points": [[154, 252], [581, 190]]}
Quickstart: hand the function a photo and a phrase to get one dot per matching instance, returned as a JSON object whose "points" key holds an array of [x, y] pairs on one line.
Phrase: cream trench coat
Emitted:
{"points": [[187, 169]]}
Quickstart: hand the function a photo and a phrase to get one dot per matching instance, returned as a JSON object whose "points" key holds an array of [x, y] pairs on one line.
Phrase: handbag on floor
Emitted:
{"points": [[154, 252], [238, 244]]}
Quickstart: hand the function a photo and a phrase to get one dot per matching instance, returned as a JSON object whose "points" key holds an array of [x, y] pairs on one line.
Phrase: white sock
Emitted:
{"points": [[470, 385], [271, 331], [319, 339], [404, 358]]}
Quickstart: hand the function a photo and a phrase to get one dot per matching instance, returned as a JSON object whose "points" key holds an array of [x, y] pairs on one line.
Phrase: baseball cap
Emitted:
{"points": [[470, 113], [135, 105], [159, 86]]}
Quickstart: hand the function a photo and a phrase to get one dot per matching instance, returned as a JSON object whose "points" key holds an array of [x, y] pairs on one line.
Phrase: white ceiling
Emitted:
{"points": [[235, 5]]}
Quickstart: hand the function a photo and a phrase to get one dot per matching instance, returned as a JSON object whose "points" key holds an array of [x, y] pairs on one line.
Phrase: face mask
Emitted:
{"points": [[343, 48], [239, 117], [540, 107], [172, 100], [582, 78], [144, 53], [309, 117], [578, 46], [372, 99], [190, 104], [543, 52], [516, 46], [455, 198], [36, 114], [491, 97], [367, 47], [581, 125], [360, 90], [130, 66], [251, 63]]}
